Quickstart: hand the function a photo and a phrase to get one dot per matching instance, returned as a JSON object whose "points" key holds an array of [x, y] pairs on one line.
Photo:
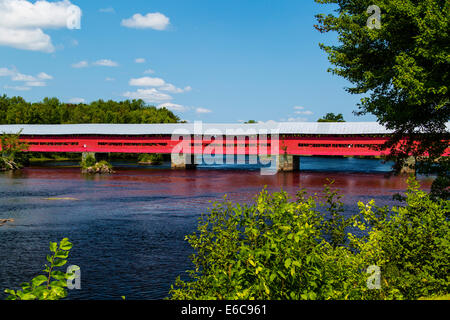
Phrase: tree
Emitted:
{"points": [[401, 64], [51, 111], [331, 117], [250, 122], [11, 156]]}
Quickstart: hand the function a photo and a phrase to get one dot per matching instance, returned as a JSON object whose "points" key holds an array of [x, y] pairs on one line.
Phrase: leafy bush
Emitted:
{"points": [[12, 154], [284, 248], [50, 286], [412, 246], [151, 158], [88, 161]]}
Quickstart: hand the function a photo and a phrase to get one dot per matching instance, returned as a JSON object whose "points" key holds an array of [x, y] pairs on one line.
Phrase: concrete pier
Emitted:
{"points": [[287, 163], [409, 167], [183, 161]]}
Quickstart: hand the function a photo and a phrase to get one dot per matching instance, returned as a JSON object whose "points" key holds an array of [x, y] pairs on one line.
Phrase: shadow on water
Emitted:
{"points": [[128, 228]]}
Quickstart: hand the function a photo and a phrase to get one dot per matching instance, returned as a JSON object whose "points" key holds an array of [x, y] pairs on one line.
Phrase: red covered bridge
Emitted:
{"points": [[289, 139]]}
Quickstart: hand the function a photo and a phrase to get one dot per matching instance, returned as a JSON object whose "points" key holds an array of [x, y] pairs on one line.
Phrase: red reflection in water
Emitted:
{"points": [[238, 184]]}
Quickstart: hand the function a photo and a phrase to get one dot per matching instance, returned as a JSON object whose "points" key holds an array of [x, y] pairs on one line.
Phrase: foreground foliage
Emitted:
{"points": [[11, 148], [301, 248], [51, 285]]}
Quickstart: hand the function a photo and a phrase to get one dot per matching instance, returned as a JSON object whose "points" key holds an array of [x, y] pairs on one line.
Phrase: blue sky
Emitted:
{"points": [[209, 60]]}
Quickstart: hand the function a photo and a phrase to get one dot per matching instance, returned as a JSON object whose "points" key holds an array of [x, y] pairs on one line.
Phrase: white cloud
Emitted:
{"points": [[306, 112], [110, 79], [44, 76], [299, 108], [77, 100], [81, 64], [147, 82], [22, 77], [202, 110], [174, 107], [36, 84], [158, 83], [106, 63], [21, 22], [29, 80], [148, 95], [139, 60], [26, 39], [292, 119], [156, 21], [149, 71], [17, 88]]}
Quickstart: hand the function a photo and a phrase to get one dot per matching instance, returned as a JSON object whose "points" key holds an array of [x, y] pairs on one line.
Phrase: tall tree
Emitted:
{"points": [[331, 117], [396, 53]]}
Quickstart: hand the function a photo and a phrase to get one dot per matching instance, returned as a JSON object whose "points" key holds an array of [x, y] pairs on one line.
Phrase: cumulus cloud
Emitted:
{"points": [[147, 82], [306, 112], [81, 64], [301, 110], [22, 22], [36, 84], [156, 21], [148, 95], [139, 60], [77, 100], [202, 110], [28, 80], [44, 76], [173, 107], [17, 88], [105, 63], [149, 71], [158, 83]]}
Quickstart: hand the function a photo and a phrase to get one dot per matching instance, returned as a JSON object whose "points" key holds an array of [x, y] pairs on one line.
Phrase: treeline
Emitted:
{"points": [[16, 110]]}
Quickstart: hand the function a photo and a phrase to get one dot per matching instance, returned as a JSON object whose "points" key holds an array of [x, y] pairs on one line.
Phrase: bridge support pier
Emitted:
{"points": [[409, 167], [183, 161], [287, 163]]}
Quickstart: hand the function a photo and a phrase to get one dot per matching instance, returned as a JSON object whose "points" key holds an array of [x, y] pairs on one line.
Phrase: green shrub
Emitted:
{"points": [[284, 248], [51, 285], [412, 246], [88, 161], [151, 158]]}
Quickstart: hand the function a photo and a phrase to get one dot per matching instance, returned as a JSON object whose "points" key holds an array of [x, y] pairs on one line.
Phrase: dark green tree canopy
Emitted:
{"points": [[16, 110], [331, 117], [402, 68]]}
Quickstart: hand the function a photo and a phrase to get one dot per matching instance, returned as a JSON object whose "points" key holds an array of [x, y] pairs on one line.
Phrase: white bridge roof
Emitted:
{"points": [[335, 128]]}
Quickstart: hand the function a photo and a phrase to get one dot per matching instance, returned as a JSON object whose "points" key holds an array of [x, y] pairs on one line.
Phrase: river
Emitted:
{"points": [[128, 228]]}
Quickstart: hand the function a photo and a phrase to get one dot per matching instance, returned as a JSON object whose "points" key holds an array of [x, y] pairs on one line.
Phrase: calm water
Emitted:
{"points": [[128, 228]]}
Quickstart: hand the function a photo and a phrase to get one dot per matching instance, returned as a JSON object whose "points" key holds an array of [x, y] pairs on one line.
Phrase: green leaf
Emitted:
{"points": [[65, 244], [59, 262], [58, 275], [287, 263], [53, 246], [28, 296], [9, 291], [38, 280], [62, 254]]}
